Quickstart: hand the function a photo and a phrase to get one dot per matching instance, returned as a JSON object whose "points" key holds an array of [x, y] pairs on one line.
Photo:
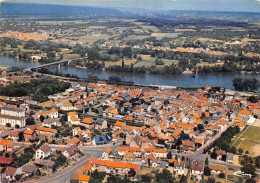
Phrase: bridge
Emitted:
{"points": [[58, 63]]}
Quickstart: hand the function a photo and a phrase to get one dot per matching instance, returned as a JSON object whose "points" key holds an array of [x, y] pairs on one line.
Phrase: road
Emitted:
{"points": [[65, 175]]}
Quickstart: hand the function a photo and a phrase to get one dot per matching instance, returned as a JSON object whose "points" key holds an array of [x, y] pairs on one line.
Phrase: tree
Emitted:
{"points": [[97, 177], [114, 78], [131, 173], [252, 99], [250, 180], [147, 178], [211, 180], [232, 150], [221, 175], [240, 151], [207, 161], [169, 155], [257, 162], [164, 177], [238, 84], [183, 179], [248, 169], [92, 76], [30, 121], [42, 118], [207, 171], [140, 58]]}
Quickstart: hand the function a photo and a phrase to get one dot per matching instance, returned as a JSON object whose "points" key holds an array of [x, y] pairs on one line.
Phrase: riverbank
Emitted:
{"points": [[213, 79]]}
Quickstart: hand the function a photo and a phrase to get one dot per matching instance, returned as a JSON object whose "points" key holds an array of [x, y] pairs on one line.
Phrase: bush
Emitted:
{"points": [[207, 171], [221, 175]]}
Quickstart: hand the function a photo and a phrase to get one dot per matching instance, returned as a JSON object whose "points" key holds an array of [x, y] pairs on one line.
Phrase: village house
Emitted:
{"points": [[6, 145], [43, 152], [197, 167], [73, 118], [12, 116], [179, 167], [67, 107], [159, 153], [216, 169], [30, 170], [113, 167], [14, 135], [49, 122], [53, 113], [29, 135], [70, 151], [188, 145], [101, 123], [11, 172]]}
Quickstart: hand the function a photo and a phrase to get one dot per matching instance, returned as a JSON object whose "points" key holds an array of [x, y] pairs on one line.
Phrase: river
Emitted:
{"points": [[213, 79]]}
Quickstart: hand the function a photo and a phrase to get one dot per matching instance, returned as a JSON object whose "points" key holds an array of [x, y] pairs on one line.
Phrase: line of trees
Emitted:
{"points": [[38, 89], [247, 84]]}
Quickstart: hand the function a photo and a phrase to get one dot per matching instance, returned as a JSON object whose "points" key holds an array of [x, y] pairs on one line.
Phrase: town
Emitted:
{"points": [[116, 132], [129, 95]]}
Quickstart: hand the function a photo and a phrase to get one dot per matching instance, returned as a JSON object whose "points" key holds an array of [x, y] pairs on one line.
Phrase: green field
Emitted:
{"points": [[248, 139]]}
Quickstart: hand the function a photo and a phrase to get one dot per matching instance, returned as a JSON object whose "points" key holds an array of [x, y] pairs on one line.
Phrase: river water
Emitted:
{"points": [[214, 79]]}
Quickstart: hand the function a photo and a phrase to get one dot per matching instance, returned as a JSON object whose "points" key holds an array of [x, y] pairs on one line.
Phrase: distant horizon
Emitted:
{"points": [[250, 6]]}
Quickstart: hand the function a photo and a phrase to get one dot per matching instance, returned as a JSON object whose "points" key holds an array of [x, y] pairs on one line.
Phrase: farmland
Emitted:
{"points": [[249, 140]]}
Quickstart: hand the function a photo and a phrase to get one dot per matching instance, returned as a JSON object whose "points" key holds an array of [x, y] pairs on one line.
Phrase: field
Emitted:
{"points": [[127, 62], [248, 139], [202, 64], [158, 34]]}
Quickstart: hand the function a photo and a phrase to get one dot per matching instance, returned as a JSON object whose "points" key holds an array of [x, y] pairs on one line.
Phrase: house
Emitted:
{"points": [[12, 116], [30, 170], [88, 122], [179, 167], [45, 164], [70, 151], [11, 172], [73, 118], [159, 153], [118, 125], [29, 135], [106, 153], [5, 161], [74, 141], [229, 158], [101, 123], [100, 140], [216, 168], [197, 167], [113, 167], [46, 132], [43, 152], [53, 113], [67, 107], [188, 145], [14, 135], [49, 122], [6, 145]]}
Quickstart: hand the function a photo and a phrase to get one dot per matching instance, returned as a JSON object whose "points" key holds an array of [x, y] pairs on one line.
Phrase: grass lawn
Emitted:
{"points": [[127, 62], [8, 47], [249, 139], [208, 64], [145, 170]]}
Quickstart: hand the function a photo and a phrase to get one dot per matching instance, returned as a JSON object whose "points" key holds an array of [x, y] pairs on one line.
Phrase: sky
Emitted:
{"points": [[213, 5]]}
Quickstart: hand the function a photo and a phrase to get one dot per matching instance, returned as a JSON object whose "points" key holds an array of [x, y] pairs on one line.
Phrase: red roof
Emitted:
{"points": [[6, 161]]}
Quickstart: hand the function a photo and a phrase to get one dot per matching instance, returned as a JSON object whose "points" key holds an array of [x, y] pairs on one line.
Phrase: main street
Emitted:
{"points": [[64, 175]]}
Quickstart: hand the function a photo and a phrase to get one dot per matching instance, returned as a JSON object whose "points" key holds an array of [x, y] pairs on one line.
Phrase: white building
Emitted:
{"points": [[13, 116], [43, 152]]}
